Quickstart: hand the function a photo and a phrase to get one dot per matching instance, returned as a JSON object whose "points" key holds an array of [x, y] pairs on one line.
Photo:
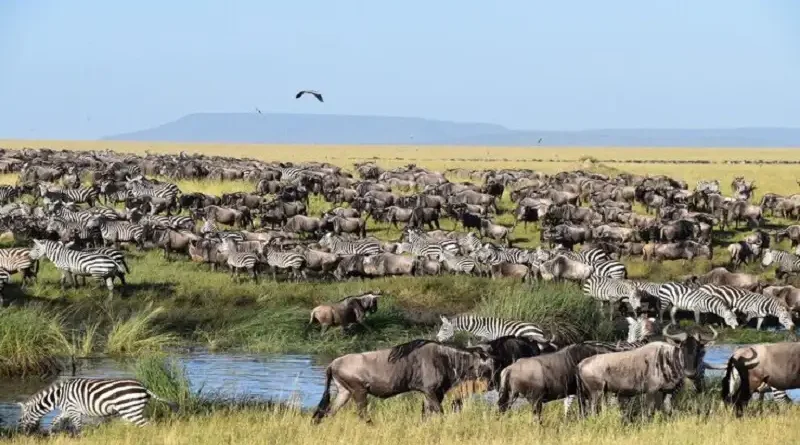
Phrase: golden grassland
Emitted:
{"points": [[401, 424], [769, 177]]}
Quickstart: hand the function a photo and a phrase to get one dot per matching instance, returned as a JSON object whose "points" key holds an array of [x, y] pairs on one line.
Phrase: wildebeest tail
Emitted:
{"points": [[325, 401], [736, 384], [504, 390]]}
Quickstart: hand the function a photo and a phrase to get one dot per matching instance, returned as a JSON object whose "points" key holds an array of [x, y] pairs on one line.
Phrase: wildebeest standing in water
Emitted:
{"points": [[345, 312], [427, 366]]}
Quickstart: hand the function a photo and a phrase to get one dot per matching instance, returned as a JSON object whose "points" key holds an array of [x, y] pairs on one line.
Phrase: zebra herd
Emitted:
{"points": [[55, 211]]}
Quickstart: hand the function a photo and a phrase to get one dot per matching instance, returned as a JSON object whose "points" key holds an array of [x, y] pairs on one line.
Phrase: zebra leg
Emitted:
{"points": [[758, 323], [672, 311], [121, 276], [568, 403], [110, 286], [61, 417], [696, 317], [134, 414]]}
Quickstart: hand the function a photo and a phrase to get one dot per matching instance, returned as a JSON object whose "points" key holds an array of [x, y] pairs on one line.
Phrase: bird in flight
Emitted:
{"points": [[540, 141], [257, 110], [314, 93]]}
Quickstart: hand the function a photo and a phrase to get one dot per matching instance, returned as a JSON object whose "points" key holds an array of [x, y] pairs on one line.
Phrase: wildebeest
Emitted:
{"points": [[685, 250], [426, 366], [546, 377], [722, 277], [657, 367], [563, 268], [790, 295], [347, 311], [494, 231], [760, 368]]}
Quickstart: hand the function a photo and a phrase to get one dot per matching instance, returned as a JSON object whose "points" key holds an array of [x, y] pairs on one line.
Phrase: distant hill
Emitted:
{"points": [[345, 129]]}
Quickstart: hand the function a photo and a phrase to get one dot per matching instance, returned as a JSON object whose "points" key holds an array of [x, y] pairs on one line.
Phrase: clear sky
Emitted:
{"points": [[90, 68]]}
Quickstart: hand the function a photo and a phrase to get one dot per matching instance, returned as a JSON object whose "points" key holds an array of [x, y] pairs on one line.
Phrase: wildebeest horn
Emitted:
{"points": [[676, 337], [752, 360]]}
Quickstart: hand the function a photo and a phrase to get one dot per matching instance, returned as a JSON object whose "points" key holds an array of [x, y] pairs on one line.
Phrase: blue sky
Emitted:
{"points": [[86, 69]]}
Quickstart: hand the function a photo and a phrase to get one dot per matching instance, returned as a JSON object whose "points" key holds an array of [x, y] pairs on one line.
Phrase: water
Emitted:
{"points": [[297, 379]]}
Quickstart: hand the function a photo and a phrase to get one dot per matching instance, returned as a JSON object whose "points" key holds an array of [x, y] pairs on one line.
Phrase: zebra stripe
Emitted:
{"points": [[118, 231], [490, 328], [469, 243], [677, 296], [491, 255], [612, 290], [5, 278], [340, 246], [8, 193], [609, 269], [788, 263], [80, 397], [459, 264], [74, 262], [88, 195], [751, 304], [16, 259]]}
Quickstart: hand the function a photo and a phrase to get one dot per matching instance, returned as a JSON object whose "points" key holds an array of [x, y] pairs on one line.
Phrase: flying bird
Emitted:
{"points": [[315, 93], [540, 141], [257, 110]]}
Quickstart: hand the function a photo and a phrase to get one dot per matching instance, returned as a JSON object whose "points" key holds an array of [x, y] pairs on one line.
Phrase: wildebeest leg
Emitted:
{"points": [[433, 402], [360, 397], [254, 274], [537, 404], [342, 397]]}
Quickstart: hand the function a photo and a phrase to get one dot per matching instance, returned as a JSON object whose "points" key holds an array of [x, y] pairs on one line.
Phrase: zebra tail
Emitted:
{"points": [[325, 401], [172, 405]]}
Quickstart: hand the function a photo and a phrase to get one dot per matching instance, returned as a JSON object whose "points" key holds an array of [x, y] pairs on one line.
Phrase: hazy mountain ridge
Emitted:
{"points": [[284, 128]]}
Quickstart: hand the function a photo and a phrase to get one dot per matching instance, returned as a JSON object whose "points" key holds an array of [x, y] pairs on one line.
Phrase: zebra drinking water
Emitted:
{"points": [[80, 397], [677, 296]]}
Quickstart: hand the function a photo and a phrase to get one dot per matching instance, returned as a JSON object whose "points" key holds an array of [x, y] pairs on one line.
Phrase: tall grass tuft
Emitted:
{"points": [[31, 341], [137, 335], [166, 378]]}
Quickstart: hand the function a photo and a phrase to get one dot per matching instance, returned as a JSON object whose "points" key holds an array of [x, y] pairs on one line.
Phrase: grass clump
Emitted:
{"points": [[31, 341], [137, 335]]}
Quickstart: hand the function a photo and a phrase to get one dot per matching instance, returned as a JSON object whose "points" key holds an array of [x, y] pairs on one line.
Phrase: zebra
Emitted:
{"points": [[5, 278], [139, 186], [289, 174], [16, 259], [490, 255], [8, 193], [490, 328], [422, 246], [788, 263], [678, 296], [181, 222], [459, 264], [74, 262], [609, 269], [340, 246], [588, 256], [469, 243], [89, 195], [80, 397], [751, 304], [72, 231], [239, 260], [613, 290], [277, 259], [118, 231]]}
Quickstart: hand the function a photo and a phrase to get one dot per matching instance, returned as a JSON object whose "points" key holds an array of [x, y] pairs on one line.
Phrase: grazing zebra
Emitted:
{"points": [[609, 269], [751, 304], [788, 263], [459, 264], [139, 187], [277, 259], [181, 222], [588, 256], [489, 328], [80, 397], [289, 174], [88, 195], [613, 290], [17, 259], [422, 246], [118, 231], [491, 255], [118, 256], [677, 296], [71, 216], [469, 243], [239, 260], [340, 246], [76, 263], [68, 231]]}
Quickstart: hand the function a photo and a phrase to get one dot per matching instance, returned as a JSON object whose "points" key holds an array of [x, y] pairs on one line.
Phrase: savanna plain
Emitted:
{"points": [[175, 305]]}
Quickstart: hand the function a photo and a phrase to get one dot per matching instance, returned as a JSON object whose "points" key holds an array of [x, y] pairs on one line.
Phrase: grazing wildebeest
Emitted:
{"points": [[684, 250], [426, 366], [563, 268], [494, 231], [173, 240], [546, 377], [657, 367], [349, 310], [722, 277], [760, 368]]}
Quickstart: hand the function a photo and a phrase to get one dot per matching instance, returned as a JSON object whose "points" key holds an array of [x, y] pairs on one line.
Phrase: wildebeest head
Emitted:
{"points": [[692, 349]]}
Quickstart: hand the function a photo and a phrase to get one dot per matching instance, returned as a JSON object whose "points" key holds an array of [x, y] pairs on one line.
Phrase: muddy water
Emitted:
{"points": [[294, 378]]}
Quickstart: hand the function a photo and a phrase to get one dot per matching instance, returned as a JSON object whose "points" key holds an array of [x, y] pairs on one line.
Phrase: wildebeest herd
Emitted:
{"points": [[76, 209]]}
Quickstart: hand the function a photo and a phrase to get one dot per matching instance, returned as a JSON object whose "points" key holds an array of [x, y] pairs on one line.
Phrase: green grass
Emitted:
{"points": [[31, 340]]}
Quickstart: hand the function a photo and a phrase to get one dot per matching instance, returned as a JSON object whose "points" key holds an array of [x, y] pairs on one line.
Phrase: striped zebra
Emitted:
{"points": [[609, 269], [18, 259], [490, 328], [751, 304], [88, 195], [678, 296], [71, 216], [8, 193], [788, 263], [117, 255], [139, 186], [73, 231], [459, 264], [283, 260], [73, 263], [588, 256], [80, 397], [422, 246], [611, 291], [238, 261], [5, 278], [289, 174], [340, 246], [491, 255], [469, 243], [115, 232]]}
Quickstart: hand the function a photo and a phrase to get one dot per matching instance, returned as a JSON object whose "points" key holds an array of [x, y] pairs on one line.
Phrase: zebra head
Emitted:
{"points": [[36, 407], [768, 258], [730, 318], [446, 332], [38, 250]]}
